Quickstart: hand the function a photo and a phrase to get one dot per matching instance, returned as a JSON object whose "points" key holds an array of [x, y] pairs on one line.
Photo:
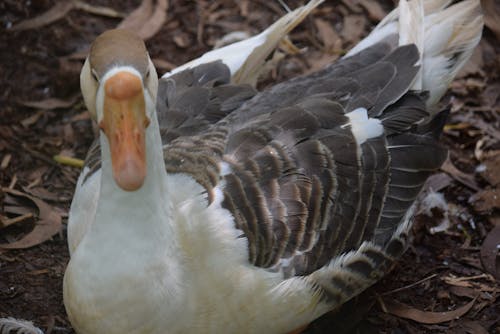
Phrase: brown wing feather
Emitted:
{"points": [[300, 188]]}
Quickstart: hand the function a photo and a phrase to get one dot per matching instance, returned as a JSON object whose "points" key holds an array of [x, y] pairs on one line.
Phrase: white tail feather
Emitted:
{"points": [[446, 37], [411, 31], [450, 38]]}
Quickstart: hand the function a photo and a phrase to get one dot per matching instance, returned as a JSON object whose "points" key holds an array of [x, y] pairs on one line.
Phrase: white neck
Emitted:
{"points": [[152, 198], [131, 242]]}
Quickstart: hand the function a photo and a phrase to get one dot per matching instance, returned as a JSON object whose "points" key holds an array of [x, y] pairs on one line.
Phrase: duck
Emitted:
{"points": [[206, 206]]}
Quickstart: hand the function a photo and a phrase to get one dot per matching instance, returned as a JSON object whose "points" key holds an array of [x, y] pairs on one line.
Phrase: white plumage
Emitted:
{"points": [[261, 211]]}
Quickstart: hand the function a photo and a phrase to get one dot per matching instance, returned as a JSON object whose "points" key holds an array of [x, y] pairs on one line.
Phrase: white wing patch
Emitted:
{"points": [[233, 55], [363, 127], [225, 168]]}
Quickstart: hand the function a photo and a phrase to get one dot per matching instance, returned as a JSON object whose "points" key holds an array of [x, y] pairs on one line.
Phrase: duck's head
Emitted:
{"points": [[119, 84]]}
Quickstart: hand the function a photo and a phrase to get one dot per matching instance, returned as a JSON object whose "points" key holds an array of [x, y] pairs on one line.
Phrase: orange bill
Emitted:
{"points": [[124, 124]]}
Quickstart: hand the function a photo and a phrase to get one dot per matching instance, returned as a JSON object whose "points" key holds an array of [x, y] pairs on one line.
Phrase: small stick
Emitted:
{"points": [[68, 161], [409, 286]]}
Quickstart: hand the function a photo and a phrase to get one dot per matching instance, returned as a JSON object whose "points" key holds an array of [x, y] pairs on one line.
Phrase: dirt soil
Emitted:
{"points": [[447, 282]]}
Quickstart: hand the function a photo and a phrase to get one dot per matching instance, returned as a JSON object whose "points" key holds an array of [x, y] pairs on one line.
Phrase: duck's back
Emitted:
{"points": [[316, 166]]}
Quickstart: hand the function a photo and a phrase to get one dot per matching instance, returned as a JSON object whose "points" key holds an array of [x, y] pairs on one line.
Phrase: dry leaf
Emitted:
{"points": [[51, 103], [328, 35], [474, 65], [146, 21], [154, 24], [43, 194], [27, 122], [5, 222], [490, 256], [479, 123], [182, 40], [473, 327], [491, 10], [97, 10], [163, 65], [463, 291], [466, 179], [375, 11], [353, 28], [485, 201], [5, 161], [491, 163], [353, 5], [437, 182], [57, 12], [404, 311], [138, 17], [465, 281], [48, 225]]}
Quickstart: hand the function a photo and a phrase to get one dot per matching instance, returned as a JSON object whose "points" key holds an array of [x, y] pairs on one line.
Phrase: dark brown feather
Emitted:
{"points": [[301, 188]]}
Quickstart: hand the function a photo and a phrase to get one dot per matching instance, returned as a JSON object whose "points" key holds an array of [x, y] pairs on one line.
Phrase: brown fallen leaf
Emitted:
{"points": [[374, 9], [437, 182], [48, 225], [182, 40], [145, 20], [51, 103], [57, 12], [463, 291], [490, 256], [44, 194], [491, 10], [466, 281], [466, 179], [163, 65], [154, 24], [97, 10], [472, 327], [474, 65], [353, 28], [328, 35], [17, 210], [5, 161], [27, 122], [489, 129], [6, 222], [60, 10], [485, 201], [491, 162], [490, 97], [404, 311], [138, 16], [353, 5]]}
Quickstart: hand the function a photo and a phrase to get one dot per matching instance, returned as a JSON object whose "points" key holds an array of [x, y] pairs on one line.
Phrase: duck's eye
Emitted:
{"points": [[147, 74]]}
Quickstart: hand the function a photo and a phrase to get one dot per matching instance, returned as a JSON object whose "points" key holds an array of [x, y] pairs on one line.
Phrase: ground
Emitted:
{"points": [[447, 282]]}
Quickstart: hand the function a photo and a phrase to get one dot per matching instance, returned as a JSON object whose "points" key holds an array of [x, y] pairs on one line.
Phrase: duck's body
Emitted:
{"points": [[249, 212]]}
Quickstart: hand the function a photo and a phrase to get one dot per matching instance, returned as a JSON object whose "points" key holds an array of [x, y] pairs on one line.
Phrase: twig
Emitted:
{"points": [[97, 10], [68, 161], [12, 221], [409, 286]]}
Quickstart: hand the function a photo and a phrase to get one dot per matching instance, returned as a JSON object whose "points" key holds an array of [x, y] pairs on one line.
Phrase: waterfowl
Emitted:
{"points": [[220, 209]]}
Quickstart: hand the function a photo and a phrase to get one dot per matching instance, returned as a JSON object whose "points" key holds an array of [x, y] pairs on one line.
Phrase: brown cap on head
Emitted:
{"points": [[118, 47]]}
